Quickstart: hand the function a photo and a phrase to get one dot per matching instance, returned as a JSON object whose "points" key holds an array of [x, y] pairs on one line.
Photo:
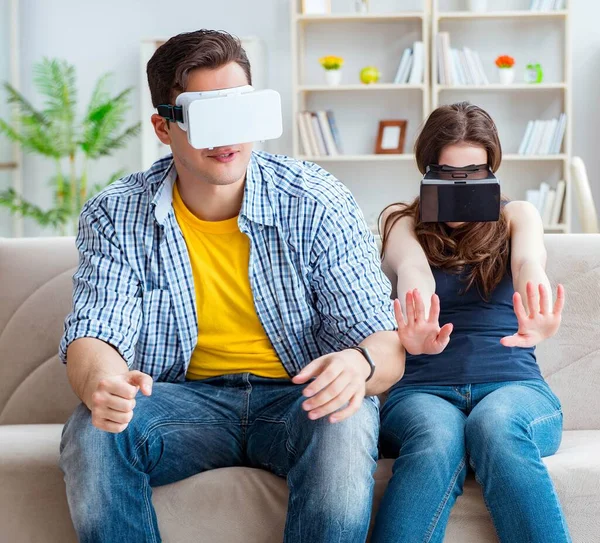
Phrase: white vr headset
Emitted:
{"points": [[227, 116]]}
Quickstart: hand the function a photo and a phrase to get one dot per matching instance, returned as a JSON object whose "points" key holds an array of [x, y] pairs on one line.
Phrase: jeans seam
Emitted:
{"points": [[444, 501], [545, 417], [290, 449], [148, 507], [146, 435]]}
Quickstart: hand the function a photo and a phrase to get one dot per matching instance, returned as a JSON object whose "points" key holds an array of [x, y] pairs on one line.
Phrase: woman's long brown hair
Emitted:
{"points": [[479, 250]]}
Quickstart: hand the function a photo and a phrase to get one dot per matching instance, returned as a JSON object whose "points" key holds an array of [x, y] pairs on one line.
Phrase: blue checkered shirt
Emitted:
{"points": [[314, 268]]}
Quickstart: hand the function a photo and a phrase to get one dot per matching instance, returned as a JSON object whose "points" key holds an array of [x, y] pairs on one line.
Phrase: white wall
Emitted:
{"points": [[105, 36]]}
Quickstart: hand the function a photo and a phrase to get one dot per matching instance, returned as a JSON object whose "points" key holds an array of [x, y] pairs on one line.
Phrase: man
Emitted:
{"points": [[230, 288]]}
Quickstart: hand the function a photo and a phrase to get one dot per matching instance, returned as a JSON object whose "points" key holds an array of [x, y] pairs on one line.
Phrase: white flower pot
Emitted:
{"points": [[507, 75], [478, 5], [333, 77]]}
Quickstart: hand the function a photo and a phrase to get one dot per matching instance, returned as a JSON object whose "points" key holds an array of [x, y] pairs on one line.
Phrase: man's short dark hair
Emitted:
{"points": [[171, 63]]}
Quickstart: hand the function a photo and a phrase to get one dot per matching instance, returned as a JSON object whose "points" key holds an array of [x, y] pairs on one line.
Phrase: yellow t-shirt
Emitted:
{"points": [[231, 338]]}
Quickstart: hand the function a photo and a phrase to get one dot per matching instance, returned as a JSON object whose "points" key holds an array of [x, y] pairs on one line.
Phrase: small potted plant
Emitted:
{"points": [[506, 69], [333, 69]]}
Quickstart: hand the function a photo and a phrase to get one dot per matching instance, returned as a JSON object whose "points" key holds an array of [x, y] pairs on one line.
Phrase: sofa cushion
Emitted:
{"points": [[248, 505]]}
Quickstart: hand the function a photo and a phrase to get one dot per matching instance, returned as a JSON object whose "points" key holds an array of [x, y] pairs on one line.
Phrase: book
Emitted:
{"points": [[534, 138], [470, 66], [555, 216], [334, 130], [548, 207], [303, 130], [416, 74], [547, 137], [456, 77], [484, 78], [559, 134], [318, 135], [457, 69], [544, 189], [465, 68], [327, 134], [409, 65], [446, 54], [312, 137], [526, 138], [400, 78], [440, 60]]}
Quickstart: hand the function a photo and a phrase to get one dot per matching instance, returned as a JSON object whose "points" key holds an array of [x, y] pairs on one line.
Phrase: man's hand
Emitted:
{"points": [[541, 323], [418, 334], [340, 380], [113, 400]]}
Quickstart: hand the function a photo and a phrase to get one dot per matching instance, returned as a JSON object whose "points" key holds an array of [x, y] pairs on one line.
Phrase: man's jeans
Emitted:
{"points": [[502, 429], [234, 420]]}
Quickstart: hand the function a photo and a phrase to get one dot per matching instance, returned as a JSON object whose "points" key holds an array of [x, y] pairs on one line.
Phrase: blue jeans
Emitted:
{"points": [[233, 420], [501, 429]]}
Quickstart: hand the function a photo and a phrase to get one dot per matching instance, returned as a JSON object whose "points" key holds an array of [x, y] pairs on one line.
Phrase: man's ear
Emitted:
{"points": [[161, 128]]}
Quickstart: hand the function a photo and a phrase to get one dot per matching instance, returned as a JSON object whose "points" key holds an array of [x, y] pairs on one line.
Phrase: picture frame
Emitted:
{"points": [[391, 137], [316, 7]]}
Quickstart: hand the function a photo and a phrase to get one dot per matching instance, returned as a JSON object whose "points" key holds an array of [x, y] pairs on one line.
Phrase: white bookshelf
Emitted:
{"points": [[358, 108], [529, 101], [396, 176]]}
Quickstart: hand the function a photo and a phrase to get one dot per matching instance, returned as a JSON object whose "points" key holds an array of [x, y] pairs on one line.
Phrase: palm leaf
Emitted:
{"points": [[23, 106], [53, 217], [101, 124], [56, 81]]}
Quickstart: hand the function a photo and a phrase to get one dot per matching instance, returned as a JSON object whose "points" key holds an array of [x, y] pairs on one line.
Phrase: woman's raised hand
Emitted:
{"points": [[541, 322], [420, 335]]}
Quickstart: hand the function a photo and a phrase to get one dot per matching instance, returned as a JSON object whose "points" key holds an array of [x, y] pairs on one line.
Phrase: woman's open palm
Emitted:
{"points": [[418, 334], [540, 323]]}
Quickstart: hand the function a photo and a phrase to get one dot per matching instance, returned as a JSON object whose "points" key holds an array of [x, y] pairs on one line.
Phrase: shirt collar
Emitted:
{"points": [[256, 206]]}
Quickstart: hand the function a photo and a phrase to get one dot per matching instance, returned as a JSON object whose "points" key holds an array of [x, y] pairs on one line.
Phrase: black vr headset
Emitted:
{"points": [[468, 194]]}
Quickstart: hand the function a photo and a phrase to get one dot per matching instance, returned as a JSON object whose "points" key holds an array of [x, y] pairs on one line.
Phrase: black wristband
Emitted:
{"points": [[365, 353]]}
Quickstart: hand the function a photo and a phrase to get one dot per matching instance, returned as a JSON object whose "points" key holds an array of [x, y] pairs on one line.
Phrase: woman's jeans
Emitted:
{"points": [[234, 420], [501, 429]]}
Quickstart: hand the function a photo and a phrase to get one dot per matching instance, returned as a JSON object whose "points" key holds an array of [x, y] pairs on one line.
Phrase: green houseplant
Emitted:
{"points": [[56, 132]]}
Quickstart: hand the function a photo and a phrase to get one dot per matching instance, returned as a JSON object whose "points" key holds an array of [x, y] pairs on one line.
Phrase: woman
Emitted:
{"points": [[472, 393]]}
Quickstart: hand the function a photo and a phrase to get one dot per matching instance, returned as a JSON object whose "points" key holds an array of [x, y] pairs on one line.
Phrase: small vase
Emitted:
{"points": [[507, 75], [478, 6], [333, 77]]}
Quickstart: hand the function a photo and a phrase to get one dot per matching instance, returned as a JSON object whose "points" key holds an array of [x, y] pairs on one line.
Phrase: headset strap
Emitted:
{"points": [[171, 113]]}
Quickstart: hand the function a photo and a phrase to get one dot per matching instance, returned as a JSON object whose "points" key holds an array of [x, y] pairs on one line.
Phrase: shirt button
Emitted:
{"points": [[260, 227], [278, 339]]}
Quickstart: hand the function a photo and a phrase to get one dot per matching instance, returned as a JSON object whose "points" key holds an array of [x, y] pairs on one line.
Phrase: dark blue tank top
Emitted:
{"points": [[474, 354]]}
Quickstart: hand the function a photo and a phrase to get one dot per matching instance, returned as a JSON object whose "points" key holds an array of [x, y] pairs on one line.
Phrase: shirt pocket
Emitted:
{"points": [[158, 346]]}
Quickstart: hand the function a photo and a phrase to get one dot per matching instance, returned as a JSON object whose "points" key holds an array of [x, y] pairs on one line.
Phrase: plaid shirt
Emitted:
{"points": [[314, 268]]}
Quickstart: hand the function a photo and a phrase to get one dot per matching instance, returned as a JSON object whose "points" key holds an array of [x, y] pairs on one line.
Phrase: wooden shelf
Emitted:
{"points": [[359, 87], [359, 158], [499, 87], [361, 17], [519, 14]]}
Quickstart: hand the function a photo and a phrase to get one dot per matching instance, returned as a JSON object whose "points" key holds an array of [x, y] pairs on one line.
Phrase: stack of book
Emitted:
{"points": [[410, 69], [547, 5], [319, 134], [456, 67], [544, 137], [549, 202]]}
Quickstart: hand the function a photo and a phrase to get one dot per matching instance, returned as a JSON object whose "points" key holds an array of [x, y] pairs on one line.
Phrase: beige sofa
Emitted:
{"points": [[247, 505]]}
